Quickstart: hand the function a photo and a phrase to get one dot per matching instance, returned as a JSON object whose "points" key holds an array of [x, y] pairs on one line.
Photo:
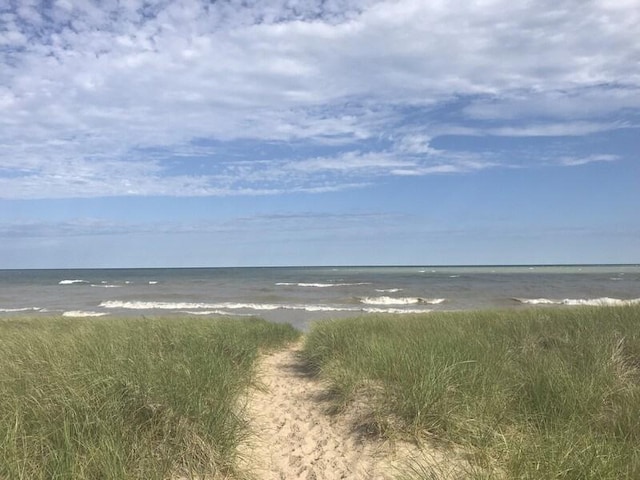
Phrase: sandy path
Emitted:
{"points": [[293, 436]]}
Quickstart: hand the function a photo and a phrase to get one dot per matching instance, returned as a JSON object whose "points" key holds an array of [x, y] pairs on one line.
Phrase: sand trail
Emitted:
{"points": [[293, 437]]}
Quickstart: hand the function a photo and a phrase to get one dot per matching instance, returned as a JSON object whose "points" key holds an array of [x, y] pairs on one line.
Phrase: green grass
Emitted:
{"points": [[529, 394], [126, 399]]}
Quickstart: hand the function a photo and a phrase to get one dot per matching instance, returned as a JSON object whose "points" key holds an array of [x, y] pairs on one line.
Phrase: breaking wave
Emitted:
{"points": [[23, 309], [593, 302], [223, 307], [71, 282], [79, 313], [396, 310], [141, 305], [384, 300]]}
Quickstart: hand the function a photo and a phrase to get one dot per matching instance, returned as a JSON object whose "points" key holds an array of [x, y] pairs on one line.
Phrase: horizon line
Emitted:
{"points": [[513, 265]]}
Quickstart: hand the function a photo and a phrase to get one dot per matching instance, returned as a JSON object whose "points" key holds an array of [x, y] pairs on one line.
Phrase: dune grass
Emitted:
{"points": [[126, 399], [529, 394]]}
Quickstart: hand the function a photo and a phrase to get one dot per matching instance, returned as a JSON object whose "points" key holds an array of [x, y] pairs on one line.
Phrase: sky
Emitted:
{"points": [[191, 133]]}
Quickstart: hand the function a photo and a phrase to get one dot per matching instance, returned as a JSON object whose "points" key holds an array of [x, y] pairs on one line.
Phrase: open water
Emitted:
{"points": [[299, 295]]}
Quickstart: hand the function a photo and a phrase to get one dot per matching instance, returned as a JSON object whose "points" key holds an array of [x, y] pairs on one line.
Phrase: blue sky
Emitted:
{"points": [[318, 132]]}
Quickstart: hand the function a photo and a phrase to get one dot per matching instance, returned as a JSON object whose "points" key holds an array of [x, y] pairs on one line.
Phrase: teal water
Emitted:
{"points": [[299, 295]]}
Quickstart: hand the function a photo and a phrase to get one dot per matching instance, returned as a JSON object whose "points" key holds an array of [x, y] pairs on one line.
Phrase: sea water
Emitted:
{"points": [[300, 295]]}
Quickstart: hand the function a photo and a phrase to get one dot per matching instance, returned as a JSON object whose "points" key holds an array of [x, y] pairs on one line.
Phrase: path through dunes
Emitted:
{"points": [[293, 437]]}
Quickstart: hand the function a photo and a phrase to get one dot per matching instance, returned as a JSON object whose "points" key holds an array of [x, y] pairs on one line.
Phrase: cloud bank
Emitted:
{"points": [[145, 98]]}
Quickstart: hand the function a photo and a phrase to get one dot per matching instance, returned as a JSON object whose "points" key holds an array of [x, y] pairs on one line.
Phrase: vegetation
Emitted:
{"points": [[530, 394], [123, 399]]}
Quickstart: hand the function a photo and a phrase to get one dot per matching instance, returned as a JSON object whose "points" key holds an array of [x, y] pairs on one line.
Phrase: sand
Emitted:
{"points": [[294, 437]]}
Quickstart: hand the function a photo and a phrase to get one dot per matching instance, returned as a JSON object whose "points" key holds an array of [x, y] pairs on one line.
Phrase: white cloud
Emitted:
{"points": [[577, 161], [84, 85], [554, 129]]}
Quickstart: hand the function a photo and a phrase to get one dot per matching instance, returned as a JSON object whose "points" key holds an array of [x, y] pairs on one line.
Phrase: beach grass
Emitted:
{"points": [[126, 398], [527, 394]]}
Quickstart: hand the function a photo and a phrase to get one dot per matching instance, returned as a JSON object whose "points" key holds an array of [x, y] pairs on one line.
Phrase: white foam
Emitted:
{"points": [[142, 305], [604, 301], [538, 301], [71, 282], [23, 309], [388, 290], [395, 310], [228, 308], [191, 307], [217, 312], [384, 300], [79, 313], [592, 302], [325, 308], [153, 282], [105, 285]]}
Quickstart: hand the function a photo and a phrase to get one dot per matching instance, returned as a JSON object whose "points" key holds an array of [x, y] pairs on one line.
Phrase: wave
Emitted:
{"points": [[592, 302], [188, 306], [216, 312], [319, 285], [388, 290], [79, 313], [142, 305], [22, 309], [224, 307], [107, 285], [384, 300], [71, 282], [396, 310]]}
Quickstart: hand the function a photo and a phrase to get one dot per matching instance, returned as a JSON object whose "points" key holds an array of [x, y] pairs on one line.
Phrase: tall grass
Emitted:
{"points": [[125, 399], [531, 394]]}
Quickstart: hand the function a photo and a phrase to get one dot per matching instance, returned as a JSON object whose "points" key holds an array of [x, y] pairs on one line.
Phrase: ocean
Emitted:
{"points": [[301, 295]]}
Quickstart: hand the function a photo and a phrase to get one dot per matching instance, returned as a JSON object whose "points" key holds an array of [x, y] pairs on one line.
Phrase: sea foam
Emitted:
{"points": [[22, 309], [385, 300], [592, 302], [144, 305], [79, 313], [396, 310], [221, 308], [71, 282]]}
